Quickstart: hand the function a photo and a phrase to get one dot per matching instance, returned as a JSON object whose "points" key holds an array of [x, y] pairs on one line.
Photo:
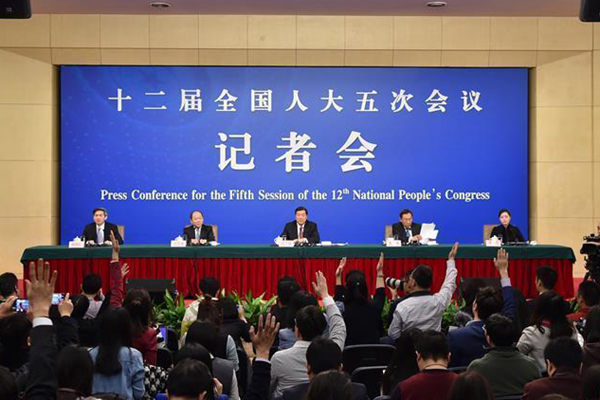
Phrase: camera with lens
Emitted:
{"points": [[591, 250]]}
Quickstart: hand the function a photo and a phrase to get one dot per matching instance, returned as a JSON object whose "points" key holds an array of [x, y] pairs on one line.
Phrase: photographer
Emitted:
{"points": [[420, 308]]}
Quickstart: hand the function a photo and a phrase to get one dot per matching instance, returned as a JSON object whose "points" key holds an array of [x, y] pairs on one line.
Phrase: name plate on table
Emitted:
{"points": [[178, 243], [76, 244], [391, 242], [285, 243], [493, 242]]}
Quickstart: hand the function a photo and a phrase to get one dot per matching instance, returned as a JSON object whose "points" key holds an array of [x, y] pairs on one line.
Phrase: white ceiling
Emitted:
{"points": [[314, 7]]}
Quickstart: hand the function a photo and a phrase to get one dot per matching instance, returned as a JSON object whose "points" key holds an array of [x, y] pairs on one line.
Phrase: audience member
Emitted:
{"points": [[468, 343], [505, 368], [205, 333], [118, 366], [549, 322], [322, 355], [563, 363], [286, 287], [588, 296], [362, 315], [420, 308], [470, 386], [434, 381], [139, 305], [330, 385], [289, 366], [403, 363]]}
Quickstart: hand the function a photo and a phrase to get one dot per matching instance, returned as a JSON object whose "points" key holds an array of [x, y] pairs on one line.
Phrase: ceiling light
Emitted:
{"points": [[436, 4], [160, 4]]}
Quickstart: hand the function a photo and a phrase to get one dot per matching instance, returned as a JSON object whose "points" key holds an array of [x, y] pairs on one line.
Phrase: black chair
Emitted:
{"points": [[371, 377], [172, 341], [366, 355], [164, 358], [510, 397]]}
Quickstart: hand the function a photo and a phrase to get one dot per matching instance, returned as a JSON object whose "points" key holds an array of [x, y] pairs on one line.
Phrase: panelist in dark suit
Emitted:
{"points": [[98, 232], [406, 230], [507, 232], [301, 230], [197, 233]]}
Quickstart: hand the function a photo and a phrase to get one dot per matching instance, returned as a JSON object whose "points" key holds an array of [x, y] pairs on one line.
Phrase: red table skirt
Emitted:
{"points": [[261, 275]]}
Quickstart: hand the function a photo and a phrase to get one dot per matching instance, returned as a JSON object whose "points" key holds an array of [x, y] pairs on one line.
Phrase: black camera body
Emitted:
{"points": [[591, 250]]}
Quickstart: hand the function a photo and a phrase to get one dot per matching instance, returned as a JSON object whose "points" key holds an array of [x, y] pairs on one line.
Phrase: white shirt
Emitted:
{"points": [[425, 312]]}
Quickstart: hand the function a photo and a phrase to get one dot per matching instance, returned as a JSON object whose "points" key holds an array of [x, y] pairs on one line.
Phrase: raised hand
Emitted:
{"points": [[501, 262], [453, 252], [340, 271], [320, 286], [40, 287], [265, 336], [65, 308], [380, 264], [115, 247]]}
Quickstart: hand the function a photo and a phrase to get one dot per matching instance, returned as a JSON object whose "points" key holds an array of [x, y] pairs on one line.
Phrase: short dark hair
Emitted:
{"points": [[204, 333], [194, 351], [189, 378], [406, 211], [210, 285], [470, 385], [14, 332], [489, 301], [547, 275], [323, 355], [92, 283], [423, 275], [8, 284], [589, 292], [330, 385], [196, 211], [286, 287], [299, 300], [301, 208], [432, 345], [564, 352], [100, 209], [500, 329], [310, 322], [504, 210], [75, 370], [8, 385]]}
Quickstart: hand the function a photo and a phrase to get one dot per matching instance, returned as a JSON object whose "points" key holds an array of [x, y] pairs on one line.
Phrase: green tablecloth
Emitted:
{"points": [[258, 251]]}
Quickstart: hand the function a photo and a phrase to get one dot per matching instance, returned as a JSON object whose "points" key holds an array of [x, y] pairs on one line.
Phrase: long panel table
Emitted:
{"points": [[257, 268]]}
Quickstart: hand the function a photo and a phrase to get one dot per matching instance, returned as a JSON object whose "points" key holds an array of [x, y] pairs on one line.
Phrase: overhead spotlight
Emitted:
{"points": [[160, 4], [436, 4]]}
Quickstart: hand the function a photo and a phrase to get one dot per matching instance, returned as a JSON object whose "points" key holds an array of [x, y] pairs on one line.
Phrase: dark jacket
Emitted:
{"points": [[399, 231], [206, 232], [565, 382], [311, 233], [509, 234], [89, 232], [468, 343], [363, 320], [237, 329], [261, 380], [298, 392]]}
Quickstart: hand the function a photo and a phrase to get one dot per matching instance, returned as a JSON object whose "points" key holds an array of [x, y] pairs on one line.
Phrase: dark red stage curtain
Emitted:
{"points": [[261, 275]]}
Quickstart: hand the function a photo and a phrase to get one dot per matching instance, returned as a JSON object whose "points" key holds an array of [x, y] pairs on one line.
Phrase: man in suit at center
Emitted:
{"points": [[197, 233], [406, 230], [301, 230], [322, 355], [98, 232]]}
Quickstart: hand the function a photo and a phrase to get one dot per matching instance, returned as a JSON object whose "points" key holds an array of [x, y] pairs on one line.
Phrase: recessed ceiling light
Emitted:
{"points": [[436, 4], [160, 4]]}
